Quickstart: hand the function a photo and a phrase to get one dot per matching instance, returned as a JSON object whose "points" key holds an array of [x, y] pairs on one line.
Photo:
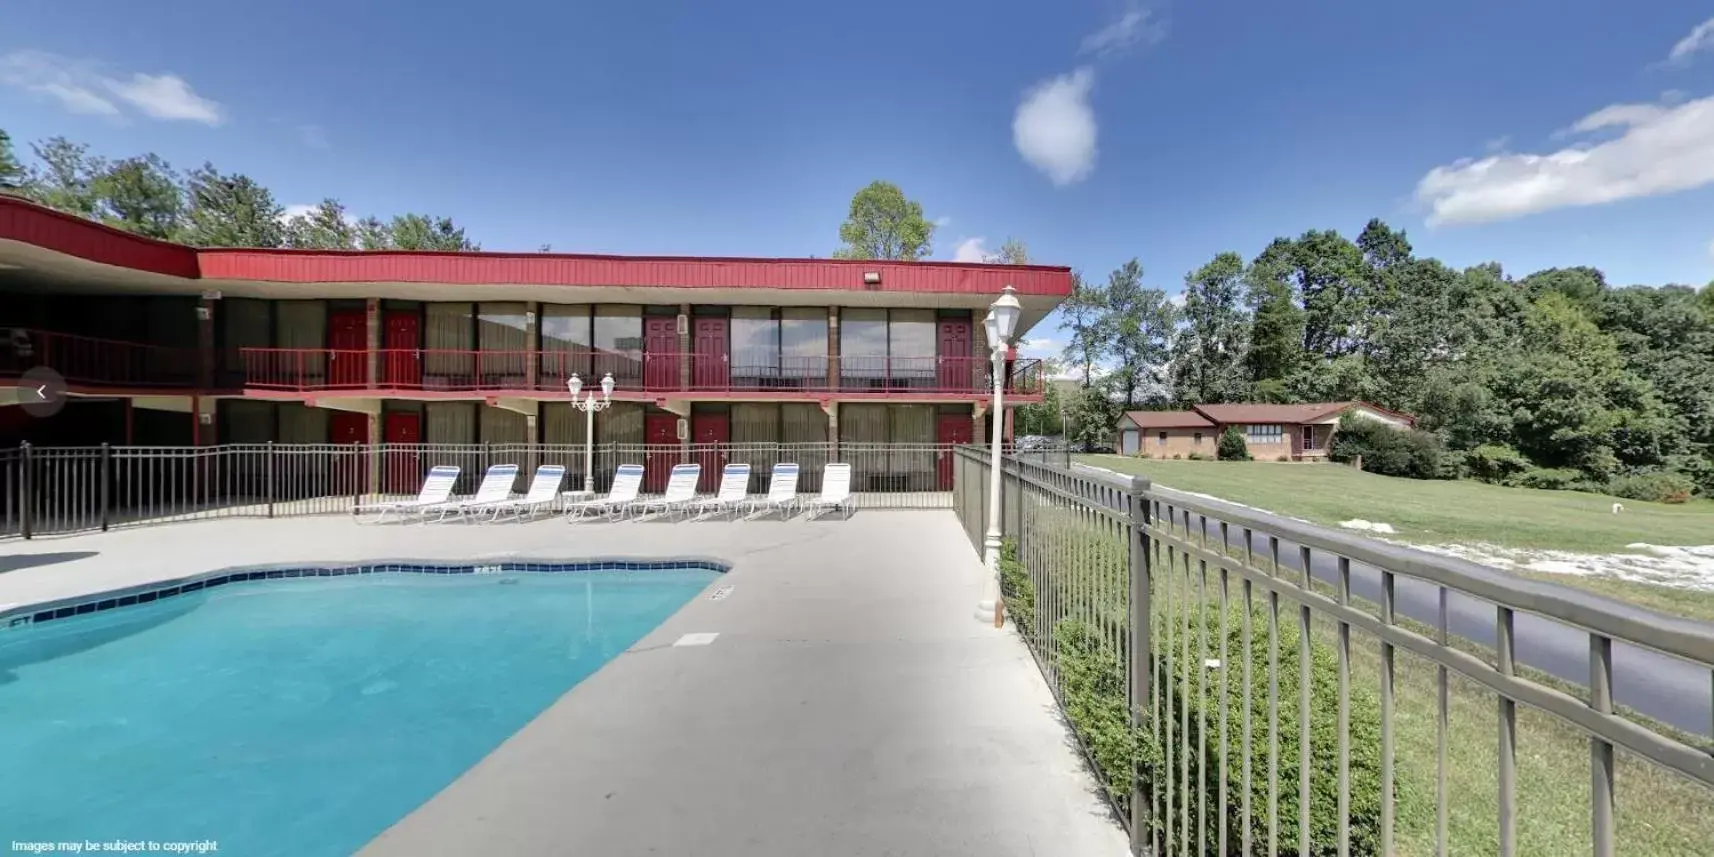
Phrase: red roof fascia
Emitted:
{"points": [[26, 222], [29, 223]]}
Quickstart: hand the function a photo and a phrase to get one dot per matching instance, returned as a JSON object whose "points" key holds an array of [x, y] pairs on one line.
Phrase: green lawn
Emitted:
{"points": [[1454, 512]]}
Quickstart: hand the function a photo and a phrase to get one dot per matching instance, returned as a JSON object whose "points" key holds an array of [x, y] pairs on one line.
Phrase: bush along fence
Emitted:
{"points": [[58, 490], [1244, 684]]}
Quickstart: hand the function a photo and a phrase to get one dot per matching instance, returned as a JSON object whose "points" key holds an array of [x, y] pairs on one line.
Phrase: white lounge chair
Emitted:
{"points": [[543, 492], [835, 490], [681, 491], [734, 490], [437, 487], [627, 482], [496, 486], [782, 493]]}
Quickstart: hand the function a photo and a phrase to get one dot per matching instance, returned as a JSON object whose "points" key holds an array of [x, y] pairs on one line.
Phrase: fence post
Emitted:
{"points": [[26, 511], [357, 471], [268, 478], [106, 480], [1141, 656]]}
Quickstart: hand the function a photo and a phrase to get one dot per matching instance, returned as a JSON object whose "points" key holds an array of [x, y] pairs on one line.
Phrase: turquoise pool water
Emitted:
{"points": [[295, 717]]}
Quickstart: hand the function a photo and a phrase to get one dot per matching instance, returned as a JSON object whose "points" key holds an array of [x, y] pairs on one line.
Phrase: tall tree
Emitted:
{"points": [[11, 171], [325, 227], [422, 232], [1013, 252], [374, 234], [1329, 274], [1140, 324], [1208, 355], [66, 178], [883, 224], [1276, 328], [231, 211], [1085, 318], [141, 195]]}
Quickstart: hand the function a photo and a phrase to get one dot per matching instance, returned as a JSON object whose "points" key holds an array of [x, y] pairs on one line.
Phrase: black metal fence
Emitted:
{"points": [[59, 490], [1247, 684]]}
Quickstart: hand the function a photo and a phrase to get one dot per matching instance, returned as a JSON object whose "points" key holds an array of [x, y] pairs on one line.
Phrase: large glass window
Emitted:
{"points": [[565, 344], [803, 344], [447, 338], [755, 348], [618, 344], [910, 345], [863, 347], [1264, 434], [502, 335]]}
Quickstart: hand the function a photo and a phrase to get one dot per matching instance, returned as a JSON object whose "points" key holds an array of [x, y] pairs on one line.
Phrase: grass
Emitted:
{"points": [[1082, 569], [1456, 512]]}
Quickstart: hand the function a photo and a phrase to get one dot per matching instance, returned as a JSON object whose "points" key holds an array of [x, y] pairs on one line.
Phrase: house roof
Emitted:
{"points": [[1169, 419], [1304, 413]]}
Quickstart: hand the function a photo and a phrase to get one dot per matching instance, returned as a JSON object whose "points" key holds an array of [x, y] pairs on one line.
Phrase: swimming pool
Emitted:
{"points": [[291, 716]]}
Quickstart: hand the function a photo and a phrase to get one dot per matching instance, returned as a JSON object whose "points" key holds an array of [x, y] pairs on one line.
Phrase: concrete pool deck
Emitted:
{"points": [[850, 704]]}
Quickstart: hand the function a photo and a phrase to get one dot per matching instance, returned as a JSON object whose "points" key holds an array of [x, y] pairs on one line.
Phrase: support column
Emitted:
{"points": [[375, 438], [533, 360], [205, 342], [833, 348], [684, 350], [1008, 438], [832, 410], [533, 457], [372, 321], [978, 425]]}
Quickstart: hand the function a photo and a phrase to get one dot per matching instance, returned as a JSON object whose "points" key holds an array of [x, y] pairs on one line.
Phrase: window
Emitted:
{"points": [[755, 346], [803, 342], [1264, 434], [1161, 441], [1196, 438], [1309, 437]]}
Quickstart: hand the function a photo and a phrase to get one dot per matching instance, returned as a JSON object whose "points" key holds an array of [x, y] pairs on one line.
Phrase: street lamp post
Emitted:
{"points": [[589, 405], [1000, 324]]}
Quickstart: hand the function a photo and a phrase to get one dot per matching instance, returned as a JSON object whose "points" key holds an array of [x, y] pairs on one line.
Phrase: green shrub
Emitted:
{"points": [[1016, 586], [1494, 462], [1550, 479], [1232, 446], [1177, 457], [1654, 486], [1453, 465], [1199, 456], [1386, 450]]}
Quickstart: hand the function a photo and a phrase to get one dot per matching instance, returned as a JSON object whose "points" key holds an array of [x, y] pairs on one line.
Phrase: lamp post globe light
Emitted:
{"points": [[1001, 324], [589, 405]]}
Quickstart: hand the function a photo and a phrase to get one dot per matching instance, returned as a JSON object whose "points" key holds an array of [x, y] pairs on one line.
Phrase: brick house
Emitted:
{"points": [[1273, 432]]}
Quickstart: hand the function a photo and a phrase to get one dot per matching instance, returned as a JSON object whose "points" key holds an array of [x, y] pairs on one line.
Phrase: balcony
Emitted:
{"points": [[85, 361], [440, 371]]}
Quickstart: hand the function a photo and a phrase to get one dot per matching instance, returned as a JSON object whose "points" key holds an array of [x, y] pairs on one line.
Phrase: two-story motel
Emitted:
{"points": [[164, 344]]}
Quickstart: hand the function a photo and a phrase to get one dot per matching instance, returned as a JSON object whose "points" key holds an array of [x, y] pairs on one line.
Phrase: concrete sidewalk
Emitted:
{"points": [[850, 704]]}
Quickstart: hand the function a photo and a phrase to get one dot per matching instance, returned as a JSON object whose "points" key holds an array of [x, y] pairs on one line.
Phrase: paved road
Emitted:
{"points": [[1666, 688]]}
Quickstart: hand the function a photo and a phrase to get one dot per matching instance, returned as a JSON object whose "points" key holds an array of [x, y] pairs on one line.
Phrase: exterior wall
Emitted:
{"points": [[1168, 442]]}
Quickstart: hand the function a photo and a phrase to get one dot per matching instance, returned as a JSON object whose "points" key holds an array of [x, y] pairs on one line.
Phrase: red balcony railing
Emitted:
{"points": [[311, 370], [90, 361]]}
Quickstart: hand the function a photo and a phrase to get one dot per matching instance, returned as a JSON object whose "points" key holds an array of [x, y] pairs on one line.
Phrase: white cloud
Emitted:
{"points": [[942, 221], [82, 87], [1054, 128], [1176, 299], [970, 250], [1701, 38], [1498, 144], [1659, 148], [299, 210], [1039, 346], [1136, 26]]}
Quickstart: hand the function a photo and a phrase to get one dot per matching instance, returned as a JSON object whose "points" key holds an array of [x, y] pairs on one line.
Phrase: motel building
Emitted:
{"points": [[154, 344]]}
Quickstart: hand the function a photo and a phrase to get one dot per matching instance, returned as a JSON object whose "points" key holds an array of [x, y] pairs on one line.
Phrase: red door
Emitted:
{"points": [[402, 362], [402, 431], [660, 353], [711, 433], [712, 369], [953, 429], [660, 432], [351, 430], [957, 367], [348, 346]]}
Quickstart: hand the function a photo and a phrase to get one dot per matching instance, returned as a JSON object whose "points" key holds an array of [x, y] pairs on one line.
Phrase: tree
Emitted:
{"points": [[1085, 318], [66, 178], [325, 227], [883, 224], [11, 172], [422, 232], [1090, 418], [231, 211], [1332, 284], [1276, 328], [1208, 355], [1044, 417], [1013, 252], [141, 195], [372, 234], [1139, 322]]}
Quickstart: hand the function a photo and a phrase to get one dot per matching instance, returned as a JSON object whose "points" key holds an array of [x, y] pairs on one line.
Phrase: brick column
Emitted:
{"points": [[532, 360], [372, 315], [376, 424], [205, 344], [684, 350], [833, 348]]}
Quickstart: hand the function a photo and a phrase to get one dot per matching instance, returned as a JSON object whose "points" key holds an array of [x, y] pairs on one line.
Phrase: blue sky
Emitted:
{"points": [[1531, 133]]}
